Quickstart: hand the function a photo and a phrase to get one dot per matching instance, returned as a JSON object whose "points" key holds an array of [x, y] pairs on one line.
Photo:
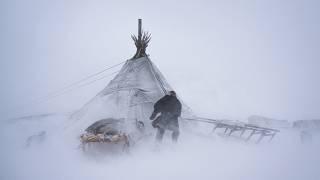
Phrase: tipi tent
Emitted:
{"points": [[131, 94]]}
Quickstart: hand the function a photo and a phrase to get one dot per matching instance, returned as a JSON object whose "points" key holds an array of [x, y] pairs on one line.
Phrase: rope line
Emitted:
{"points": [[73, 85], [79, 81], [157, 77], [69, 90]]}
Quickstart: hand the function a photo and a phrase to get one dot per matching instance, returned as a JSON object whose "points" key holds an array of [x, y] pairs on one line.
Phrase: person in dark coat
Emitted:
{"points": [[169, 108]]}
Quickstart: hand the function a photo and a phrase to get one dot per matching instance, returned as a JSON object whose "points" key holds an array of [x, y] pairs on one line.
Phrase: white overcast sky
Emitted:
{"points": [[227, 58]]}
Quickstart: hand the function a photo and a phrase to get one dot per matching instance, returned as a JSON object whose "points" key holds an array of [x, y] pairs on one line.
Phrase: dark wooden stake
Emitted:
{"points": [[260, 138], [242, 132], [252, 133], [272, 136]]}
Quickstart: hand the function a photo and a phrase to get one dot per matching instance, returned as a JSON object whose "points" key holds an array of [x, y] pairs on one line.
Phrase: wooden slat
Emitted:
{"points": [[263, 131]]}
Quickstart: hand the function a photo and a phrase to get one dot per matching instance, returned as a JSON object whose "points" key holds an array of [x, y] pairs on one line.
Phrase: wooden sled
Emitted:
{"points": [[105, 143]]}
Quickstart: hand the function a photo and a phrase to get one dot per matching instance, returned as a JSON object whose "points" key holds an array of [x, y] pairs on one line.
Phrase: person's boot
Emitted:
{"points": [[175, 136], [159, 135]]}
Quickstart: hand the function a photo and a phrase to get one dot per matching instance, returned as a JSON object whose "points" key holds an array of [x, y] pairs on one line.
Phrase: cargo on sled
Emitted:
{"points": [[105, 136]]}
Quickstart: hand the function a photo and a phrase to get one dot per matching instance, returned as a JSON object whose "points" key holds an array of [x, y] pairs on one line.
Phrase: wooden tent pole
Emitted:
{"points": [[139, 29], [141, 41]]}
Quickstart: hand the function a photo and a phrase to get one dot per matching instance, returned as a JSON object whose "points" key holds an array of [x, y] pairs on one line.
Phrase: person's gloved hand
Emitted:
{"points": [[153, 115], [154, 124]]}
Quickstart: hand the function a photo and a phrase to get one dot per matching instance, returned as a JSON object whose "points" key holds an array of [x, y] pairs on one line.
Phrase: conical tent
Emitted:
{"points": [[131, 94]]}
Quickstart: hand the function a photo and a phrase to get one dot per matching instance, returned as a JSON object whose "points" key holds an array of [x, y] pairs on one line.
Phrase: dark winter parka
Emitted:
{"points": [[167, 104]]}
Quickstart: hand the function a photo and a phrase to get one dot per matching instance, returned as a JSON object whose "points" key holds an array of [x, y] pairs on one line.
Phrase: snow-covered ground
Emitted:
{"points": [[224, 58], [194, 157]]}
